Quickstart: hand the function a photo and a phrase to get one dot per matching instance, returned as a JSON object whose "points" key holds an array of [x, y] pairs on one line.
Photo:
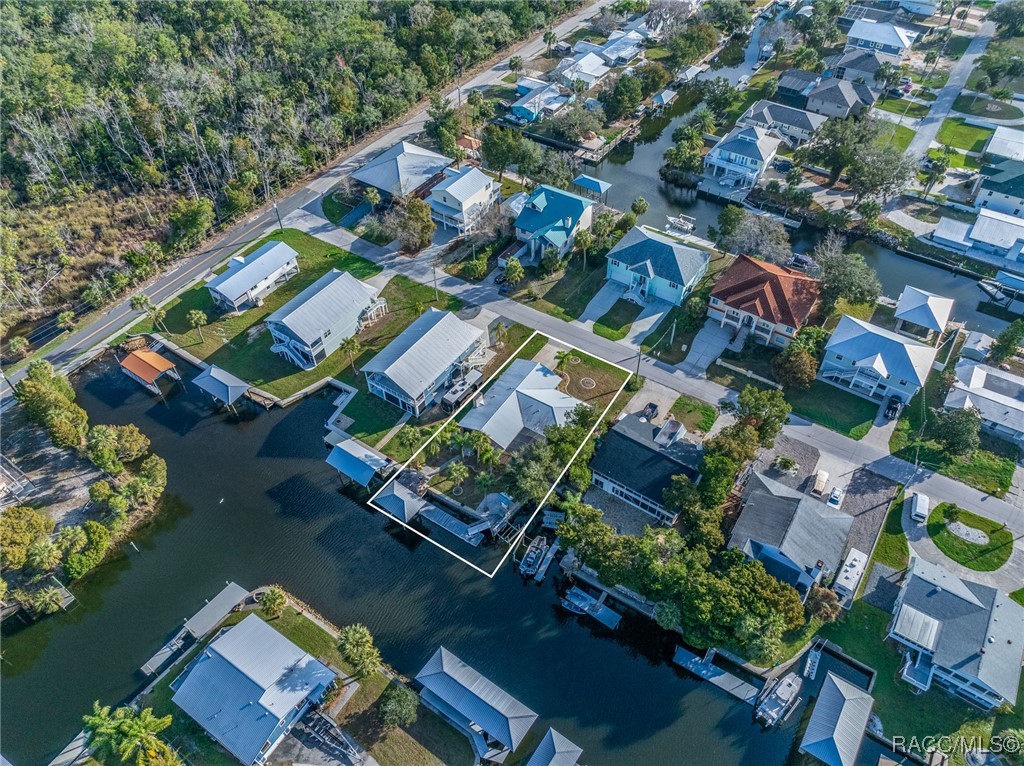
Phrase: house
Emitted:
{"points": [[920, 7], [541, 102], [798, 538], [741, 157], [414, 369], [1000, 187], [249, 686], [494, 721], [964, 636], [993, 233], [857, 65], [795, 126], [621, 48], [922, 314], [997, 395], [655, 266], [247, 281], [526, 84], [555, 750], [146, 367], [881, 14], [402, 170], [550, 218], [873, 362], [838, 721], [648, 26], [664, 99], [773, 302], [882, 36], [840, 98], [636, 460], [586, 67], [1006, 143], [794, 87], [313, 325], [462, 197], [524, 398]]}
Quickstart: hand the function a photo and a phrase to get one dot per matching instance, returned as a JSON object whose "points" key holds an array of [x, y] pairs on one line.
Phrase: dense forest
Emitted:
{"points": [[131, 128]]}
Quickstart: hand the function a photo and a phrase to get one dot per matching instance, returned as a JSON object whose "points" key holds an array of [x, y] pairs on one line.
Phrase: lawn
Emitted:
{"points": [[956, 46], [335, 208], [899, 136], [564, 294], [892, 549], [591, 380], [986, 107], [958, 160], [903, 106], [615, 324], [955, 132], [862, 311], [834, 408], [1018, 596], [980, 558], [694, 414], [861, 633]]}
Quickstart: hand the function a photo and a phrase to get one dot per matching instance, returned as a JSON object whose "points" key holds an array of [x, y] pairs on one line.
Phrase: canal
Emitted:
{"points": [[251, 500]]}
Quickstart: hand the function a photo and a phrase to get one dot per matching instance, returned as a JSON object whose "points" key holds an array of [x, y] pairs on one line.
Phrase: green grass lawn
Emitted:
{"points": [[986, 107], [956, 46], [892, 548], [694, 414], [899, 136], [902, 106], [958, 160], [615, 324], [861, 633], [958, 134], [1018, 596], [834, 408], [564, 294], [980, 558], [335, 208]]}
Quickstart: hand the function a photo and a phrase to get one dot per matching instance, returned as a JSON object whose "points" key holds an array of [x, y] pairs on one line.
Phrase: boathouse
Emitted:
{"points": [[221, 384], [146, 367], [555, 750], [836, 729], [355, 460]]}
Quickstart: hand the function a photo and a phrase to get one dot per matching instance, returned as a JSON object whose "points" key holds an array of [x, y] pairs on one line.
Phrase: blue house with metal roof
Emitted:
{"points": [[550, 218], [249, 687], [656, 266]]}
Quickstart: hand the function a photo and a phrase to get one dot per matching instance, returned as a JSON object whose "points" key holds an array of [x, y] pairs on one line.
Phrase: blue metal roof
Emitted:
{"points": [[592, 184], [1011, 281], [221, 384], [551, 214]]}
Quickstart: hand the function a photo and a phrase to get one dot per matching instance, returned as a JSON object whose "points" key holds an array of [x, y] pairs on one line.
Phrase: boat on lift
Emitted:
{"points": [[534, 555], [683, 223], [780, 700]]}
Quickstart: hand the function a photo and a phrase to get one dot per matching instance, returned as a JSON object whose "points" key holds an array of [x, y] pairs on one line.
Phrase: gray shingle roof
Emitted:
{"points": [[243, 274], [555, 750], [659, 255], [1004, 177], [748, 142], [335, 302], [881, 32], [856, 59], [998, 395], [770, 113], [837, 724], [402, 169], [424, 350], [497, 712], [842, 92]]}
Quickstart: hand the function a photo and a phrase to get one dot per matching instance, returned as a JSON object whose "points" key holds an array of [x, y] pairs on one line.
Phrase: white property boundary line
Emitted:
{"points": [[515, 542]]}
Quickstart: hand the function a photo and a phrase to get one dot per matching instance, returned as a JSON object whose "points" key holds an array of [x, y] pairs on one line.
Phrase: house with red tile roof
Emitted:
{"points": [[768, 301]]}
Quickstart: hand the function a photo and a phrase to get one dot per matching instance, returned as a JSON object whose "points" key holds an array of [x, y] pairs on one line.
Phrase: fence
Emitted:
{"points": [[742, 371]]}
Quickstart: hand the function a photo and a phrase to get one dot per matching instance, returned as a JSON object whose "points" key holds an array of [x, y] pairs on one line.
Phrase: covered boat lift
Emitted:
{"points": [[354, 460], [146, 367], [597, 188], [221, 385]]}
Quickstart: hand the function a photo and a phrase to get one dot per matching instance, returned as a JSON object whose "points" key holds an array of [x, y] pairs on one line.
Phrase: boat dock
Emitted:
{"points": [[77, 751], [545, 564], [595, 607], [452, 525], [705, 669]]}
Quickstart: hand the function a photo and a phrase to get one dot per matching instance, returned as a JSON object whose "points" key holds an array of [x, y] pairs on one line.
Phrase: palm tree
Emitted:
{"points": [[887, 75], [704, 120], [273, 602], [780, 46], [550, 38], [371, 197], [103, 730], [196, 320], [501, 331], [805, 58], [515, 64], [141, 302], [562, 360], [353, 348], [584, 241], [139, 741], [478, 441], [484, 481], [981, 86]]}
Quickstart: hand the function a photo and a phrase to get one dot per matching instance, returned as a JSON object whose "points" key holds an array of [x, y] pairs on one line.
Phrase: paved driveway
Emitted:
{"points": [[648, 321], [707, 346], [601, 303]]}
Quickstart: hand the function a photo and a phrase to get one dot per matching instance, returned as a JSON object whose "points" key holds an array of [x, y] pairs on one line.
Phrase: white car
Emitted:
{"points": [[836, 498]]}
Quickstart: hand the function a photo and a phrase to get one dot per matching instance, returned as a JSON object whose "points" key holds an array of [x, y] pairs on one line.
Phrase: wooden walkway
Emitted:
{"points": [[703, 668]]}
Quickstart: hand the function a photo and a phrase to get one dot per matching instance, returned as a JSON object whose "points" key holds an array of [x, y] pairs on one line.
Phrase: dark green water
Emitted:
{"points": [[253, 501]]}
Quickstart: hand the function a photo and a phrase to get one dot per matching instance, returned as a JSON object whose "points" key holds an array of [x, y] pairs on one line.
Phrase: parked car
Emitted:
{"points": [[895, 93], [904, 81], [783, 166], [503, 289], [893, 408], [651, 411], [836, 498], [500, 279]]}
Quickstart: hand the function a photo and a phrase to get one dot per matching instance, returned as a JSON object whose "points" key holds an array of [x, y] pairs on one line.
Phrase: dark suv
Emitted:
{"points": [[893, 408]]}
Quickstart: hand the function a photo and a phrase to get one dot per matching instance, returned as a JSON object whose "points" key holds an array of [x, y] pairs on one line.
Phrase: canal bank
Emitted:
{"points": [[250, 499]]}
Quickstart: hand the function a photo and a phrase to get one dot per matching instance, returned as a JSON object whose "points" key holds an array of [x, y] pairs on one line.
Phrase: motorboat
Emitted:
{"points": [[682, 223], [780, 700], [534, 555]]}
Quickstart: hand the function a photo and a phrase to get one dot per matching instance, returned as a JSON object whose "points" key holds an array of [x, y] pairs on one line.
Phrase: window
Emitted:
{"points": [[903, 382], [614, 262], [327, 333], [715, 301], [839, 357]]}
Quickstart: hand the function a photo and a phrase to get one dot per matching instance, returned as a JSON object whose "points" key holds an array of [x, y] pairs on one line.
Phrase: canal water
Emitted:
{"points": [[251, 500]]}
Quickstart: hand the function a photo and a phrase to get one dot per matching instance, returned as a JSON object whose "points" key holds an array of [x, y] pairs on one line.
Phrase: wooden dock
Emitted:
{"points": [[706, 670], [542, 570]]}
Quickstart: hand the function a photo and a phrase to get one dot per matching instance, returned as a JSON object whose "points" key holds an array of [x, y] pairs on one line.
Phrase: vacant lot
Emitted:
{"points": [[616, 323], [566, 293], [957, 133], [986, 107], [903, 106], [694, 414]]}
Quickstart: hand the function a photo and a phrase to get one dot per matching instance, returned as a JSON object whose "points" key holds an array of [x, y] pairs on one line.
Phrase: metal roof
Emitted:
{"points": [[215, 610], [525, 396], [664, 256], [334, 302], [997, 229], [837, 724], [424, 351], [463, 184], [221, 384], [400, 501], [552, 214], [1006, 142], [356, 460], [402, 169], [917, 627], [750, 142], [998, 395], [497, 712], [924, 308], [1004, 177], [592, 184], [246, 682], [555, 750], [245, 273], [664, 98], [146, 364], [881, 32], [864, 344]]}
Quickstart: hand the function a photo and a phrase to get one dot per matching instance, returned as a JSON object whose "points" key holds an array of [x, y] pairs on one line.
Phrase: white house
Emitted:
{"points": [[413, 370], [996, 394], [248, 281], [993, 233], [1000, 187], [621, 48], [655, 266], [588, 67], [794, 126], [741, 157], [880, 36], [875, 363], [402, 169], [462, 197]]}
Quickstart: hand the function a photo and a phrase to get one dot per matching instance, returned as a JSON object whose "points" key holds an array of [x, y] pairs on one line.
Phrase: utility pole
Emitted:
{"points": [[639, 354], [280, 224], [433, 270]]}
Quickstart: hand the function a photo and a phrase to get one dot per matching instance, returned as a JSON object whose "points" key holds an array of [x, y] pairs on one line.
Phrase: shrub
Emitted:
{"points": [[399, 705], [97, 542], [20, 528]]}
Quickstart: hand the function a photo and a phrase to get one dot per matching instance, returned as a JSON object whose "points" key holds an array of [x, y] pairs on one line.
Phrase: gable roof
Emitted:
{"points": [[888, 353], [1004, 177], [881, 32], [221, 384], [401, 169], [655, 254], [842, 92], [772, 293], [335, 301], [246, 682], [998, 395], [424, 351], [838, 721], [464, 183], [242, 274], [924, 308], [771, 113], [357, 461], [146, 364], [997, 229], [497, 712], [587, 66], [552, 214], [752, 142], [555, 750], [980, 630], [1006, 142], [525, 396]]}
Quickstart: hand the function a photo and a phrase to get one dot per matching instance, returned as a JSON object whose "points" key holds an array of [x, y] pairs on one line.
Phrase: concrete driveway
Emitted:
{"points": [[601, 303], [648, 321], [707, 346]]}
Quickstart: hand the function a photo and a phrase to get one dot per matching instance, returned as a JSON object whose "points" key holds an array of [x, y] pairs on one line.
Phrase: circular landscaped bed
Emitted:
{"points": [[971, 540]]}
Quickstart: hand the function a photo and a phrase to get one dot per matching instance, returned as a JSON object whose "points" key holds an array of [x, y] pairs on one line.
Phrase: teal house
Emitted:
{"points": [[655, 266], [550, 218]]}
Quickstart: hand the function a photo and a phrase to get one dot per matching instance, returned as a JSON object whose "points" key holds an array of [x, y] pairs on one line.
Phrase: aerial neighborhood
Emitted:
{"points": [[544, 383]]}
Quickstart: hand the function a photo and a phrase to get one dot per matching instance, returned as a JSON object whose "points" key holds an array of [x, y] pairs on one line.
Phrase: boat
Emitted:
{"points": [[780, 700], [534, 555], [682, 223], [576, 601]]}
